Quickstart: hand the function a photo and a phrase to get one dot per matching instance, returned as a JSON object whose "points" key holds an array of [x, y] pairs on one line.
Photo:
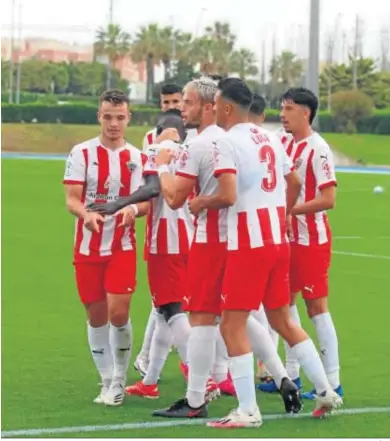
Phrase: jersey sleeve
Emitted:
{"points": [[188, 162], [223, 156], [324, 169], [148, 141], [75, 167], [150, 167]]}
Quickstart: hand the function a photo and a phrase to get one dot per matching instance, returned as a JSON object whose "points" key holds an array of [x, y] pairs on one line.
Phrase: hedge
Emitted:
{"points": [[82, 113], [68, 114]]}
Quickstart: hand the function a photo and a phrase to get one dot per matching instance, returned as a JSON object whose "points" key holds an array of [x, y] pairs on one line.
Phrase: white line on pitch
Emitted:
{"points": [[369, 256], [172, 423]]}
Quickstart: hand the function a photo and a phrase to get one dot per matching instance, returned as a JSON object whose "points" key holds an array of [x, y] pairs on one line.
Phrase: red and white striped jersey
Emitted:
{"points": [[105, 175], [258, 217], [196, 162], [150, 138], [284, 137], [168, 231], [313, 159]]}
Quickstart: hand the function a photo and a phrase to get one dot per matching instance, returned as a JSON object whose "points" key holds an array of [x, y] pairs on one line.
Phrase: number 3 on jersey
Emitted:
{"points": [[267, 155]]}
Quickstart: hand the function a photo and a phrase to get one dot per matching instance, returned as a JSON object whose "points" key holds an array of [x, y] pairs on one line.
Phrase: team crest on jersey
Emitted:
{"points": [[298, 163], [131, 165]]}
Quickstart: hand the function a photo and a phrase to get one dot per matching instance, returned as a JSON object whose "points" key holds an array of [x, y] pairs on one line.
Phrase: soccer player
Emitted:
{"points": [[98, 170], [171, 97], [257, 110], [252, 167], [257, 117], [207, 255], [312, 240], [170, 233]]}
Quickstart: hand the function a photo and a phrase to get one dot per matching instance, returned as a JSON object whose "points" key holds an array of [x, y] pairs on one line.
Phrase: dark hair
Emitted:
{"points": [[216, 77], [258, 104], [170, 89], [303, 97], [171, 119], [234, 89], [114, 96]]}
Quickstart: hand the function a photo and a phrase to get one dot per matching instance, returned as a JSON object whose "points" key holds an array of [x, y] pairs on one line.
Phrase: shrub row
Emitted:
{"points": [[82, 113]]}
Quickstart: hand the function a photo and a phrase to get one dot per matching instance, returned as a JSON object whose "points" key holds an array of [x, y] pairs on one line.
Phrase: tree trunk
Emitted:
{"points": [[167, 69], [150, 78]]}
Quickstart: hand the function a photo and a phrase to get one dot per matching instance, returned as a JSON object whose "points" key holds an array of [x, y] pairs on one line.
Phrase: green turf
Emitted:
{"points": [[60, 138], [368, 149], [48, 378], [56, 138]]}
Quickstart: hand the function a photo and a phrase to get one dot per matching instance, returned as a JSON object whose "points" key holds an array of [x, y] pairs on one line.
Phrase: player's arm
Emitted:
{"points": [[144, 193], [224, 198], [73, 197], [294, 185], [74, 181], [324, 172], [175, 189], [293, 182], [225, 172]]}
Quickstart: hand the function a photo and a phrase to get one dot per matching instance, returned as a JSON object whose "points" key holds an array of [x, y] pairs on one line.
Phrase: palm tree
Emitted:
{"points": [[243, 63], [286, 69], [113, 43], [212, 50], [150, 46]]}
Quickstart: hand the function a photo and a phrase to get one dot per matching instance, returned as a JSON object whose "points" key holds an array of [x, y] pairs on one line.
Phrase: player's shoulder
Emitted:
{"points": [[89, 144], [135, 153], [318, 143]]}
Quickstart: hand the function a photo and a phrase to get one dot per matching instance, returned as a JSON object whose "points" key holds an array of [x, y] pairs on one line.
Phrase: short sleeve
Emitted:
{"points": [[150, 167], [188, 162], [75, 168], [148, 141], [324, 169], [223, 156]]}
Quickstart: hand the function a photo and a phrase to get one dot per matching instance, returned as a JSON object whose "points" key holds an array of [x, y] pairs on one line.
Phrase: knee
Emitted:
{"points": [[316, 306], [118, 316], [97, 314]]}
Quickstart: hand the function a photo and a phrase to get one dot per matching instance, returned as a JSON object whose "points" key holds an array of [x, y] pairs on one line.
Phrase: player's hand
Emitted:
{"points": [[92, 221], [168, 135], [128, 216], [290, 232], [108, 208], [196, 205], [164, 156]]}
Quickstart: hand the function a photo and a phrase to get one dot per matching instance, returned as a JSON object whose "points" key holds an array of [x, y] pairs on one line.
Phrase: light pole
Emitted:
{"points": [[314, 40], [11, 67], [109, 73]]}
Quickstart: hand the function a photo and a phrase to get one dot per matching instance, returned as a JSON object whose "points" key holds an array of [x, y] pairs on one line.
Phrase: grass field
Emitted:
{"points": [[48, 378], [369, 149], [59, 138]]}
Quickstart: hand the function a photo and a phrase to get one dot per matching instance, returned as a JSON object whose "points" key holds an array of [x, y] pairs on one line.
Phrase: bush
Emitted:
{"points": [[349, 106], [82, 113], [68, 114]]}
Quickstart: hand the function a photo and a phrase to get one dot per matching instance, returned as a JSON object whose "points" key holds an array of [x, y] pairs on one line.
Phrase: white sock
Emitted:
{"points": [[201, 355], [329, 348], [274, 337], [261, 317], [242, 372], [180, 328], [292, 365], [263, 347], [148, 336], [159, 350], [99, 343], [121, 341], [221, 364], [308, 357]]}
